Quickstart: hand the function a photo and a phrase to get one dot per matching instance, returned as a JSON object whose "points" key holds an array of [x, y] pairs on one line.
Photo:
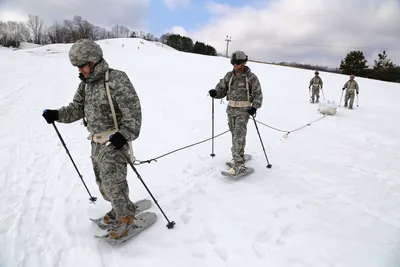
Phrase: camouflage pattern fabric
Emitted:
{"points": [[315, 85], [351, 88], [238, 90], [349, 96], [238, 117], [238, 126], [110, 170], [239, 55], [90, 101], [84, 51]]}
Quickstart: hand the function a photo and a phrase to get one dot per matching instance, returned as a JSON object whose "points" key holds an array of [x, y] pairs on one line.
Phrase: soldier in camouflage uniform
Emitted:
{"points": [[243, 91], [112, 126], [315, 85], [351, 87]]}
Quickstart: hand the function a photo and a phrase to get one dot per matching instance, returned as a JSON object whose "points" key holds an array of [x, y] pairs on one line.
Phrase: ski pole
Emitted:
{"points": [[357, 100], [258, 132], [170, 224], [323, 95], [341, 98], [212, 134], [93, 199], [309, 94]]}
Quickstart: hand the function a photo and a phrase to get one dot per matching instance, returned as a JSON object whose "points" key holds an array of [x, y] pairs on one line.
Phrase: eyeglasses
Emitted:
{"points": [[83, 65], [237, 61]]}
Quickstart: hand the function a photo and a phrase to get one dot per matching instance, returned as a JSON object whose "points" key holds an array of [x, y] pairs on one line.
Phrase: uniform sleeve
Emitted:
{"points": [[321, 82], [346, 84], [222, 86], [128, 103], [311, 82], [256, 92], [75, 110], [357, 87]]}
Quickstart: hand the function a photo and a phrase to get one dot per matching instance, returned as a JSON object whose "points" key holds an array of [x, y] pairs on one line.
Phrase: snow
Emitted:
{"points": [[330, 199]]}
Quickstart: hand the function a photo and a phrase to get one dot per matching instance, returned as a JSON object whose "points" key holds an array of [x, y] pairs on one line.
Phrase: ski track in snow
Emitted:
{"points": [[305, 211]]}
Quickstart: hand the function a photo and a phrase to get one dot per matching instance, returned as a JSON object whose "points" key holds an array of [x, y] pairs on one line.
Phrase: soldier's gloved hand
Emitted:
{"points": [[343, 88], [50, 115], [357, 93], [213, 93], [118, 140], [252, 110]]}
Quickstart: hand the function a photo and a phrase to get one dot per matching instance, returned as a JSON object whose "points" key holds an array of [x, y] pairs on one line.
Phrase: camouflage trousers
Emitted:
{"points": [[110, 170], [238, 127], [349, 96], [315, 94]]}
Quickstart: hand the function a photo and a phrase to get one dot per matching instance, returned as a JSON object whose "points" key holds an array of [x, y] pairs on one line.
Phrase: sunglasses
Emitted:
{"points": [[83, 65], [237, 61]]}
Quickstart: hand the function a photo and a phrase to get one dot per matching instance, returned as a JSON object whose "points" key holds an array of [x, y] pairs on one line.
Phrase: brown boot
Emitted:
{"points": [[109, 218], [121, 227]]}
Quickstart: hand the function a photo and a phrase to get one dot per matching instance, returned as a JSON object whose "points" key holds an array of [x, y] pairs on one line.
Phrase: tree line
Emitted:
{"points": [[12, 33], [383, 69]]}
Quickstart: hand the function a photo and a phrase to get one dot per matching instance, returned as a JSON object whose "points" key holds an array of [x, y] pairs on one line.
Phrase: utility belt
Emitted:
{"points": [[104, 137], [101, 138], [239, 104]]}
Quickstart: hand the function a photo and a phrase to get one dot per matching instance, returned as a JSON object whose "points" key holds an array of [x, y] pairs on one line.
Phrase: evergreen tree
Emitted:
{"points": [[354, 63]]}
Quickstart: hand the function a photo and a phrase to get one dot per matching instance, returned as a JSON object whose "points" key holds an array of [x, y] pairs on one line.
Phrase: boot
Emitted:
{"points": [[345, 105], [109, 218], [121, 227], [237, 169]]}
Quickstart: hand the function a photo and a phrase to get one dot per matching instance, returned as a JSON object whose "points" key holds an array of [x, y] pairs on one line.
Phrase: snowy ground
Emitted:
{"points": [[330, 199]]}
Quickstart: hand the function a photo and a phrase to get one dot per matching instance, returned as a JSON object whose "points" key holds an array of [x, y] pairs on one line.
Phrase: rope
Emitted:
{"points": [[288, 132], [138, 162]]}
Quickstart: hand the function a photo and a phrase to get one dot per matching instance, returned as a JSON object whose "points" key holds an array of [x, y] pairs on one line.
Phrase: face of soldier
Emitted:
{"points": [[238, 65], [85, 69]]}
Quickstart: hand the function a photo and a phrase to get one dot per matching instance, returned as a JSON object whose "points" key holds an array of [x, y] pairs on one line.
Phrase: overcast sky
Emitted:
{"points": [[305, 31]]}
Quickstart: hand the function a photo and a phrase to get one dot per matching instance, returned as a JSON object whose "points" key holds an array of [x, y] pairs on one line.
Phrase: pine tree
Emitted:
{"points": [[354, 63]]}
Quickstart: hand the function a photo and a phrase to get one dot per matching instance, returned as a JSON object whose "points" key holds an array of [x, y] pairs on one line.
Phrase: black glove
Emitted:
{"points": [[118, 140], [343, 88], [213, 93], [357, 93], [50, 115], [251, 111]]}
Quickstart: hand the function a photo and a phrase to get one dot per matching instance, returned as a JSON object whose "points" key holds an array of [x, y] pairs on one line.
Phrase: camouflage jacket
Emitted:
{"points": [[91, 101], [316, 83], [351, 85], [238, 91]]}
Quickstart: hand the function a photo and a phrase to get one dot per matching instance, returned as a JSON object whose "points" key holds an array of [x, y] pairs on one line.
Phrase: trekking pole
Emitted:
{"points": [[170, 224], [341, 98], [323, 95], [212, 134], [309, 94], [265, 153], [357, 100], [93, 199]]}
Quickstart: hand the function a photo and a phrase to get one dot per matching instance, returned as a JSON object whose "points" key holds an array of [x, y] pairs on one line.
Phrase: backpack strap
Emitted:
{"points": [[247, 86], [107, 79]]}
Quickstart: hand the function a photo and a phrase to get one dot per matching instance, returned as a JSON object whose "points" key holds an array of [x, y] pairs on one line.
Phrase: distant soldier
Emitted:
{"points": [[351, 87], [315, 85]]}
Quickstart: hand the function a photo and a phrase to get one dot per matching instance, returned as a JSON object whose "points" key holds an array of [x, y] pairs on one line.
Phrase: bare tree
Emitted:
{"points": [[164, 37], [35, 24], [149, 37], [120, 31]]}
